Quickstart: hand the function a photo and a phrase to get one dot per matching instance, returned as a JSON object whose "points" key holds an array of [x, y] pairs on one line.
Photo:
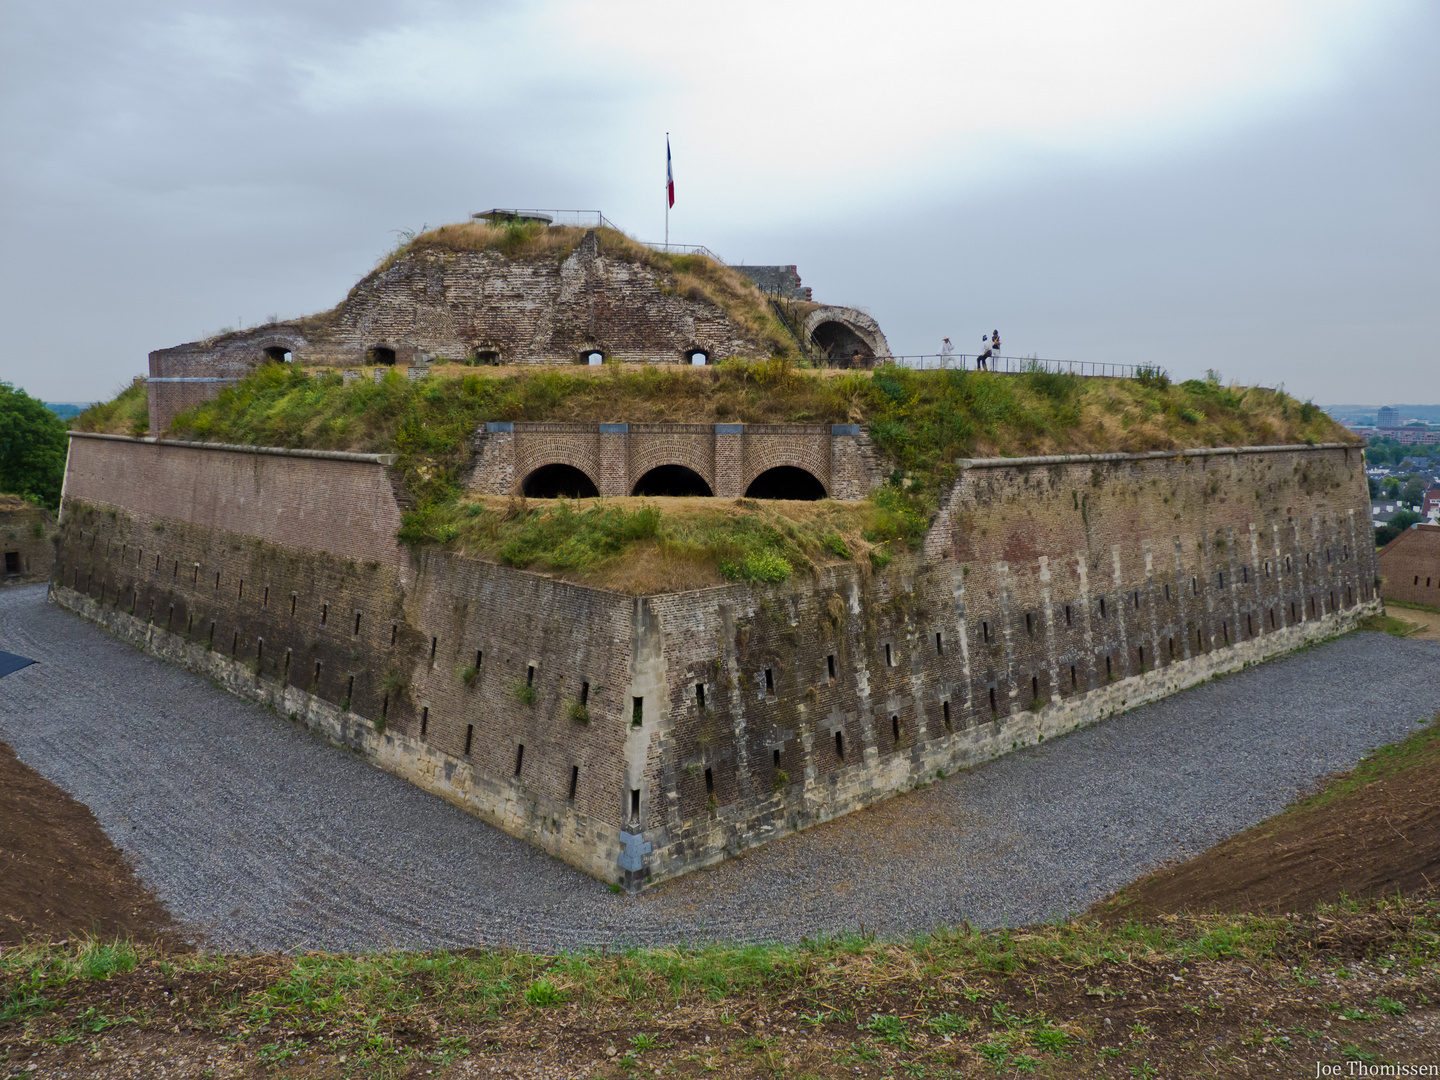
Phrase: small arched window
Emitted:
{"points": [[697, 357], [592, 357], [380, 355], [278, 354]]}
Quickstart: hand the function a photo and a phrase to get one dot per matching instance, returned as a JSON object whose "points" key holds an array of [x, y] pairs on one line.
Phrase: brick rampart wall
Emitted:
{"points": [[1049, 595], [26, 543], [1410, 566], [727, 456], [438, 668]]}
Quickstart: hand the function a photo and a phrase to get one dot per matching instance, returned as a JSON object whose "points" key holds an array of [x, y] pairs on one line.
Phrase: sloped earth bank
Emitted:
{"points": [[1346, 840], [59, 873]]}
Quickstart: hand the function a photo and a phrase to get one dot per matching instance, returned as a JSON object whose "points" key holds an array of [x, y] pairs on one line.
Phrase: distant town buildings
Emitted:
{"points": [[1387, 418]]}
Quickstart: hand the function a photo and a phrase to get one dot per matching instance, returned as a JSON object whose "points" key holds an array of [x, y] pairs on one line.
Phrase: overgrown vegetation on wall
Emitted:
{"points": [[632, 545], [922, 421]]}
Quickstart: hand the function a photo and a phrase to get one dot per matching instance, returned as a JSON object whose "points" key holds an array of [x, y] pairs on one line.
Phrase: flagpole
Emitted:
{"points": [[667, 191]]}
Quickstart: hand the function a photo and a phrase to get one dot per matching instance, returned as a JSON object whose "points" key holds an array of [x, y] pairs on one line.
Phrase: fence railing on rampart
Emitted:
{"points": [[1012, 364], [685, 249]]}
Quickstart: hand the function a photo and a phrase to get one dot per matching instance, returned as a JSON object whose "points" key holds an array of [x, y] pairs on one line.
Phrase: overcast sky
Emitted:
{"points": [[1248, 185]]}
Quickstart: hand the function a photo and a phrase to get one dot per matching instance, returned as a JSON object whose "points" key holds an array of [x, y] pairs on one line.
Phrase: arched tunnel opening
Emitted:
{"points": [[842, 345], [785, 482], [559, 482], [672, 480]]}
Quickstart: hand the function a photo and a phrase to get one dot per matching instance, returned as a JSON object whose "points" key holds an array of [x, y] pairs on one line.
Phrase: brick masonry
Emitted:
{"points": [[456, 305], [27, 542], [1410, 566], [642, 737], [728, 457]]}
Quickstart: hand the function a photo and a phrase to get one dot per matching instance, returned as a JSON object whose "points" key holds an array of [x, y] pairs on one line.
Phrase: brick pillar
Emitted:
{"points": [[493, 471], [614, 459], [729, 461], [846, 473]]}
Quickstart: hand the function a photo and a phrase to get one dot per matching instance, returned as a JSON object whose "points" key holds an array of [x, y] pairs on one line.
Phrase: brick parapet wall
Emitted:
{"points": [[343, 504], [27, 543], [727, 456], [1410, 566]]}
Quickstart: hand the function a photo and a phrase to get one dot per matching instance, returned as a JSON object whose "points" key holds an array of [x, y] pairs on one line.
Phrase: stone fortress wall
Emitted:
{"points": [[26, 541], [642, 737]]}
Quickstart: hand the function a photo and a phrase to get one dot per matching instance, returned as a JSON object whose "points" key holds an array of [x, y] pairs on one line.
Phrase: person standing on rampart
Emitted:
{"points": [[947, 353], [985, 353]]}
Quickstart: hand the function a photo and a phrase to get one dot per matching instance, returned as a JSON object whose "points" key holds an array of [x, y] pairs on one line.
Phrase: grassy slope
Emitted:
{"points": [[922, 421]]}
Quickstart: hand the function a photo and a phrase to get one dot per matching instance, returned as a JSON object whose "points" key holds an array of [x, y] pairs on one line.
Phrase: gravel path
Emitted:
{"points": [[262, 837]]}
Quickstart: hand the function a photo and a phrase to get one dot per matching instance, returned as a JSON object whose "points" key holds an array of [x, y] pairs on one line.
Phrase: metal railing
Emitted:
{"points": [[580, 219], [1011, 364], [684, 249]]}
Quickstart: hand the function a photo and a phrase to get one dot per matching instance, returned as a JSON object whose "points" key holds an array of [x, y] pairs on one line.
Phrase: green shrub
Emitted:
{"points": [[766, 566], [578, 712], [525, 693], [542, 992], [1152, 377], [835, 544]]}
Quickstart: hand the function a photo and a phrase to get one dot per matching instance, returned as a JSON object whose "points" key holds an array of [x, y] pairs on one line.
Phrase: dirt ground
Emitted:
{"points": [[1373, 840], [60, 876], [1427, 623]]}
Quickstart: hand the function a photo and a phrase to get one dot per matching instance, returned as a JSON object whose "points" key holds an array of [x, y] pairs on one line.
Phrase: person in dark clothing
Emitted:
{"points": [[985, 353]]}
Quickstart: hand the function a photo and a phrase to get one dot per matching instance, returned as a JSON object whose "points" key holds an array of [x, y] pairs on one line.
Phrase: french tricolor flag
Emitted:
{"points": [[669, 176]]}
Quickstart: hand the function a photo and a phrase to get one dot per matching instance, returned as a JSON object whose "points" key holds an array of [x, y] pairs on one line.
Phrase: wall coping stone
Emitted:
{"points": [[729, 429], [499, 425], [277, 451], [1148, 455], [614, 429], [844, 429]]}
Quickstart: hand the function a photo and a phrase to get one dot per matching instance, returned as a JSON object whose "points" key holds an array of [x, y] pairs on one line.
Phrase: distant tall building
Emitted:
{"points": [[1388, 417]]}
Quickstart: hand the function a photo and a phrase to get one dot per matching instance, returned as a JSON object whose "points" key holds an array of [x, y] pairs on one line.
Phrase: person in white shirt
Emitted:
{"points": [[947, 353]]}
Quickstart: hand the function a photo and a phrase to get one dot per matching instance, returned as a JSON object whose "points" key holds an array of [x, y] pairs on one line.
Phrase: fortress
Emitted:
{"points": [[642, 736]]}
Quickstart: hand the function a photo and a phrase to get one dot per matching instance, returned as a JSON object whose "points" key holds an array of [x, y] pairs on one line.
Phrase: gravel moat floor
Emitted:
{"points": [[258, 836]]}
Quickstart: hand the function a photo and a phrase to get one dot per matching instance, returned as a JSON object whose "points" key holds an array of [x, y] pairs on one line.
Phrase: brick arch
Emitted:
{"points": [[764, 452], [694, 450], [535, 450], [852, 320], [266, 344]]}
